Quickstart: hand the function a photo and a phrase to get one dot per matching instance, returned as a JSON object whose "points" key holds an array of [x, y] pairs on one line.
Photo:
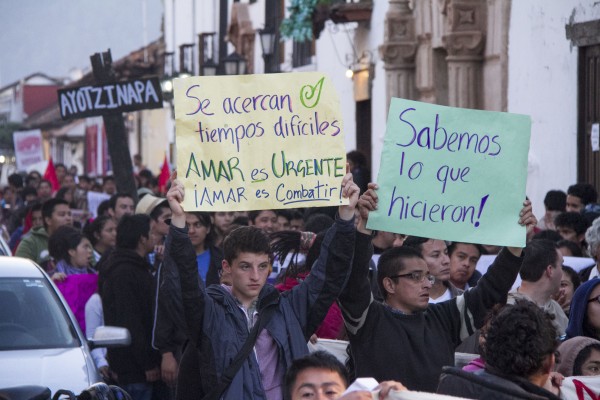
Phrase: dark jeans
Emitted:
{"points": [[139, 391]]}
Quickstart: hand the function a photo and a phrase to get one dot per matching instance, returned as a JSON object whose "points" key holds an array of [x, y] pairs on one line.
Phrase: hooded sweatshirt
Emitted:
{"points": [[579, 309], [569, 350]]}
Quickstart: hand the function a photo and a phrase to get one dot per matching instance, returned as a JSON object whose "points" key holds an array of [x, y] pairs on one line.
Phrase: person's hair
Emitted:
{"points": [[586, 192], [107, 178], [287, 214], [62, 240], [519, 340], [573, 220], [131, 229], [245, 239], [549, 234], [572, 246], [318, 222], [103, 207], [156, 211], [555, 200], [240, 220], [582, 357], [85, 178], [204, 218], [452, 246], [15, 180], [95, 227], [30, 178], [573, 276], [415, 242], [112, 202], [592, 237], [252, 215], [49, 206], [391, 262], [539, 254], [146, 173], [357, 158], [35, 206], [296, 214], [291, 243], [27, 191], [318, 360], [59, 165]]}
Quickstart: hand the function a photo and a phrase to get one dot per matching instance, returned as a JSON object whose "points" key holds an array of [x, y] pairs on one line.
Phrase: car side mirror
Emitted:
{"points": [[110, 336]]}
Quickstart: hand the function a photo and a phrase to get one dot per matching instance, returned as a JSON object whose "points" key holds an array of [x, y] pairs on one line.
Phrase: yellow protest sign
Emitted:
{"points": [[254, 142]]}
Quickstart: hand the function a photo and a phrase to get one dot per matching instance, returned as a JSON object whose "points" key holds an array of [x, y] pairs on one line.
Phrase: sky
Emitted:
{"points": [[57, 36]]}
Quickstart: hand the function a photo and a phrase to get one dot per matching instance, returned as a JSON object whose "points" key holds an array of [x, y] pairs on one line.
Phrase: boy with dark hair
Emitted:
{"points": [[555, 202], [463, 261], [34, 245], [320, 375], [572, 226], [126, 287], [221, 318], [579, 195], [263, 219]]}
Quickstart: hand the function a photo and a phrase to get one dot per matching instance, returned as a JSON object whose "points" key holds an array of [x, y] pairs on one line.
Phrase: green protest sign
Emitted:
{"points": [[453, 174]]}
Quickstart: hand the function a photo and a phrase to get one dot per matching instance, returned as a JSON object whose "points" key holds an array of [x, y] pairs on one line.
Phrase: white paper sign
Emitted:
{"points": [[28, 148]]}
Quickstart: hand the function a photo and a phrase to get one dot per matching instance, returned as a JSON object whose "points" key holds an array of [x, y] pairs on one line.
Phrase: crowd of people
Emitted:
{"points": [[223, 304]]}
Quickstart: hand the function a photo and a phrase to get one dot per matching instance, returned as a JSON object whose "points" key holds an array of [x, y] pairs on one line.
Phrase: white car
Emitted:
{"points": [[40, 340]]}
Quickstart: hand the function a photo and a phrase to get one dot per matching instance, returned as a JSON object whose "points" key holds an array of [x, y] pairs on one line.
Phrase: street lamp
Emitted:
{"points": [[234, 64], [208, 68], [169, 73], [268, 42]]}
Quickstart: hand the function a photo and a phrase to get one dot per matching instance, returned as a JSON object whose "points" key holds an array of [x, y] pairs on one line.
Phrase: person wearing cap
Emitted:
{"points": [[158, 209]]}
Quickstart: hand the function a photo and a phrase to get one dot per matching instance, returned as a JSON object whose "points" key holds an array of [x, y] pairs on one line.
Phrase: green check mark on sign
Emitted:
{"points": [[310, 95]]}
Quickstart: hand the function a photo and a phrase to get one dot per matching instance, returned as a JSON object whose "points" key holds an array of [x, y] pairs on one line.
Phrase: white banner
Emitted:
{"points": [[580, 388]]}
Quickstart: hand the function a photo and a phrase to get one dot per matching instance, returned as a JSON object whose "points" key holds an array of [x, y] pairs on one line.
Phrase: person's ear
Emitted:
{"points": [[225, 266], [388, 285], [72, 253]]}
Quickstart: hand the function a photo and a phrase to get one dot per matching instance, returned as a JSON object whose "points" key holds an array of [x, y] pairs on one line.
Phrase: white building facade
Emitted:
{"points": [[498, 55]]}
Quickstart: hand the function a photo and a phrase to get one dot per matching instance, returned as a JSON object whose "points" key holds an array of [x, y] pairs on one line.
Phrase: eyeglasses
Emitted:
{"points": [[416, 277], [597, 298]]}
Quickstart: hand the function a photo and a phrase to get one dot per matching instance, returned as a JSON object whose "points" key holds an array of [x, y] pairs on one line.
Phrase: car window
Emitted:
{"points": [[32, 316]]}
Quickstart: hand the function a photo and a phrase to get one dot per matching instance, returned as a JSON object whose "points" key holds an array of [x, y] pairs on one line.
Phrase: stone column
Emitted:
{"points": [[425, 79], [464, 42], [398, 51]]}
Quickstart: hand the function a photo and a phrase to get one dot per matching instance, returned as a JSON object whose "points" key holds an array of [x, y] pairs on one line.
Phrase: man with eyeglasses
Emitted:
{"points": [[405, 338]]}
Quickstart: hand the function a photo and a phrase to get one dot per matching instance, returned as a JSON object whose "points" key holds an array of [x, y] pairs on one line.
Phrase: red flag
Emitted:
{"points": [[50, 175], [163, 178]]}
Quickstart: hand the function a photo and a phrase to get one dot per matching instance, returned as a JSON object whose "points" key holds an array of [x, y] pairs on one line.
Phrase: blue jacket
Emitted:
{"points": [[213, 316]]}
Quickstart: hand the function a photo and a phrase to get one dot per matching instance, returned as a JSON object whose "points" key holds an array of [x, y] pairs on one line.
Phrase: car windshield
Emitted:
{"points": [[32, 316]]}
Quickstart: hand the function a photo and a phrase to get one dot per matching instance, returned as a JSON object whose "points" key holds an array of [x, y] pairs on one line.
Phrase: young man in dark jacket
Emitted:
{"points": [[126, 288], [405, 338], [224, 315], [519, 357]]}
